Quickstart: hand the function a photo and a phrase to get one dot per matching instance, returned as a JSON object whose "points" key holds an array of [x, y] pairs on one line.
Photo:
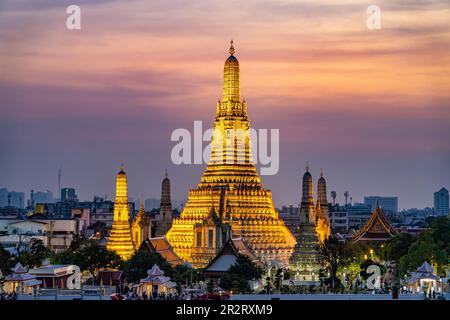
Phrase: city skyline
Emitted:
{"points": [[369, 107]]}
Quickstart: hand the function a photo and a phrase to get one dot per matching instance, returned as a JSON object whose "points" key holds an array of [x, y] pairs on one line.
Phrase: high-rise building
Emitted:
{"points": [[3, 197], [230, 200], [12, 198], [441, 206], [68, 194], [40, 197], [358, 214], [120, 239], [388, 204]]}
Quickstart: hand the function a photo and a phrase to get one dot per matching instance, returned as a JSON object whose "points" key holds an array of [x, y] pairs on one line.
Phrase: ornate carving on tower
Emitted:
{"points": [[230, 200], [305, 262], [322, 209], [164, 219], [120, 239], [141, 226], [307, 207]]}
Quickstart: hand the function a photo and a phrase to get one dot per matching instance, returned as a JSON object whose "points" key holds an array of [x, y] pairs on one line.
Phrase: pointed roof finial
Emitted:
{"points": [[166, 173], [121, 165], [321, 173], [231, 47], [307, 166]]}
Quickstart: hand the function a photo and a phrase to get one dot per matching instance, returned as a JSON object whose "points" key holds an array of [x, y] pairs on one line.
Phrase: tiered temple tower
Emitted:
{"points": [[230, 200], [306, 260], [140, 226], [120, 239], [322, 209], [164, 219]]}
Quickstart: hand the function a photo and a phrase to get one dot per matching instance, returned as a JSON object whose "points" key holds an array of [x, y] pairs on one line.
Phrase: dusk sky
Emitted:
{"points": [[370, 107]]}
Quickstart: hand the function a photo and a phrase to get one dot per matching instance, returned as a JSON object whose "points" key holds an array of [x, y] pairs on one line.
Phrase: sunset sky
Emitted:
{"points": [[370, 107]]}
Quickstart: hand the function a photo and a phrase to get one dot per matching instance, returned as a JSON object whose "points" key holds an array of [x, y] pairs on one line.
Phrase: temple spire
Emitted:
{"points": [[231, 47], [231, 88]]}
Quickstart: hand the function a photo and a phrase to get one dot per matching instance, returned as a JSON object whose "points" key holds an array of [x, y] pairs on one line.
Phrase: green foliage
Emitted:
{"points": [[34, 255], [397, 247], [237, 277], [334, 254], [88, 256], [6, 261], [137, 266], [182, 274], [433, 246]]}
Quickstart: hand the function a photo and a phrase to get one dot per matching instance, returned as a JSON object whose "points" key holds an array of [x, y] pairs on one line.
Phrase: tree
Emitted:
{"points": [[137, 266], [334, 255], [432, 245], [34, 255], [239, 274], [397, 247], [93, 258], [6, 261], [89, 256], [181, 274]]}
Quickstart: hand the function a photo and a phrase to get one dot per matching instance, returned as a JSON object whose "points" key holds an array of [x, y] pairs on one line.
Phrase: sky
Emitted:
{"points": [[369, 107]]}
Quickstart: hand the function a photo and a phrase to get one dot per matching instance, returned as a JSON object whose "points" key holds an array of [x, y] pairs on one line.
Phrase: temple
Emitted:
{"points": [[377, 228], [230, 200], [141, 226], [312, 229], [163, 221], [120, 239]]}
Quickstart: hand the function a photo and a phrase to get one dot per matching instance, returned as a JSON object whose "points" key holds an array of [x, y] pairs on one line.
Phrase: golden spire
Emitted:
{"points": [[142, 201], [120, 238], [231, 88], [231, 47]]}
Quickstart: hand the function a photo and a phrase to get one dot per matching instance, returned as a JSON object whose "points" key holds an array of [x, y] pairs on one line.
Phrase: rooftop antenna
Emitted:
{"points": [[59, 182], [333, 195]]}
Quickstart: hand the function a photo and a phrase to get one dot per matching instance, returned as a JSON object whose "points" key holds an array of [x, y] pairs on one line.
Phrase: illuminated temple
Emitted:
{"points": [[230, 200], [312, 229], [120, 239]]}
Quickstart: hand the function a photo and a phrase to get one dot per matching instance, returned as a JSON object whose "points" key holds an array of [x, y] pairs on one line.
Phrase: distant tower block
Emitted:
{"points": [[120, 239], [164, 220]]}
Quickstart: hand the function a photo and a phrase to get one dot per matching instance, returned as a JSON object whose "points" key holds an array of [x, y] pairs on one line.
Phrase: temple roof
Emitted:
{"points": [[228, 255], [163, 247], [377, 228], [425, 268]]}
